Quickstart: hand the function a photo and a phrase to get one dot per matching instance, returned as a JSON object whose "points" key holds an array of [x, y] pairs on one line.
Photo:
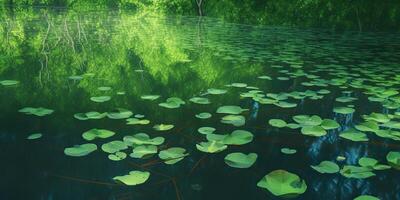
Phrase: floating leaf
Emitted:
{"points": [[172, 155], [90, 115], [236, 120], [100, 99], [114, 146], [329, 124], [211, 147], [97, 133], [306, 120], [238, 137], [143, 150], [277, 123], [328, 167], [141, 139], [216, 91], [393, 158], [234, 110], [117, 156], [150, 97], [8, 82], [354, 135], [203, 115], [316, 131], [206, 130], [80, 150], [163, 127], [344, 110], [288, 151], [133, 178], [350, 171], [119, 113], [240, 160], [366, 197], [283, 183], [134, 121], [34, 136], [104, 88], [200, 100], [40, 112], [172, 102]]}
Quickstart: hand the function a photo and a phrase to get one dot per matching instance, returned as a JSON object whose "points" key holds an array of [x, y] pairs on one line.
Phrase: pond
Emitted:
{"points": [[120, 105]]}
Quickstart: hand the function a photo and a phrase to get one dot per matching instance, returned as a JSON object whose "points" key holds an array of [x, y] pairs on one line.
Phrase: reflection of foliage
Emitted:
{"points": [[342, 14]]}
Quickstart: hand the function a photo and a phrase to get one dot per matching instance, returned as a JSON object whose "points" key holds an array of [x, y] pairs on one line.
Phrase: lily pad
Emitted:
{"points": [[288, 151], [114, 146], [306, 120], [350, 171], [277, 123], [203, 115], [97, 133], [234, 110], [150, 97], [143, 150], [216, 91], [90, 115], [163, 127], [240, 160], [133, 178], [200, 100], [316, 131], [283, 183], [40, 112], [172, 102], [393, 158], [80, 150], [172, 155], [34, 136], [100, 99], [238, 137], [143, 139], [354, 135], [235, 120], [366, 197], [329, 124], [119, 113], [344, 110], [211, 147], [8, 82], [328, 167], [117, 156], [134, 121], [206, 130]]}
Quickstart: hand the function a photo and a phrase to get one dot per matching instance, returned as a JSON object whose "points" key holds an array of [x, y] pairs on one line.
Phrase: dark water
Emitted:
{"points": [[141, 54]]}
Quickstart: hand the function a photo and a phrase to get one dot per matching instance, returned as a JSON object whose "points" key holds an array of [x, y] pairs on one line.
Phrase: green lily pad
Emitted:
{"points": [[277, 123], [288, 151], [206, 130], [316, 131], [97, 133], [354, 135], [117, 156], [238, 137], [143, 139], [329, 124], [172, 102], [133, 178], [172, 155], [100, 99], [135, 121], [119, 113], [367, 162], [8, 82], [377, 117], [216, 91], [40, 112], [235, 120], [393, 158], [203, 115], [350, 171], [284, 104], [240, 160], [114, 146], [234, 110], [306, 120], [90, 115], [163, 127], [34, 136], [344, 110], [328, 167], [283, 183], [211, 147], [200, 100], [369, 126], [366, 197], [143, 150], [150, 97], [104, 88], [80, 150]]}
